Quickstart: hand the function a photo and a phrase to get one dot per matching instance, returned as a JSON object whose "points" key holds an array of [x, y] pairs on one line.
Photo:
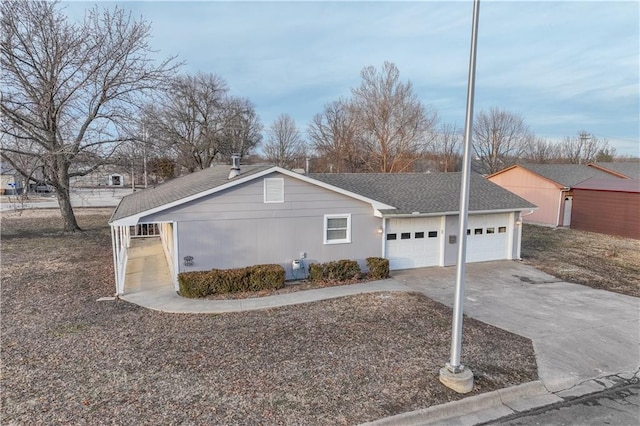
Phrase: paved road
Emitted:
{"points": [[616, 406], [98, 197]]}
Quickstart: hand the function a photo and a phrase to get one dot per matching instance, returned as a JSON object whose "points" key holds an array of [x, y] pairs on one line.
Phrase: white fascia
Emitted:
{"points": [[453, 213]]}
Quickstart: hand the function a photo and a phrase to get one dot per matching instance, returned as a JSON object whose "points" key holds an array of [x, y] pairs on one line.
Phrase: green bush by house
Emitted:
{"points": [[219, 281], [339, 270], [378, 267]]}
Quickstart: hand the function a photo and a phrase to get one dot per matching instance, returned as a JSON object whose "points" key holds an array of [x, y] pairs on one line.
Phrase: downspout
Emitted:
{"points": [[115, 256], [559, 207], [519, 224], [176, 258]]}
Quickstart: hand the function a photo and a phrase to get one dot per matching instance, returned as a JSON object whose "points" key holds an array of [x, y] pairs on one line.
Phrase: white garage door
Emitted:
{"points": [[488, 237], [413, 242]]}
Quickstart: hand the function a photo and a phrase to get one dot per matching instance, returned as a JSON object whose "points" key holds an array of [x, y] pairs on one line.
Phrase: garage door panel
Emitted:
{"points": [[413, 242], [487, 237]]}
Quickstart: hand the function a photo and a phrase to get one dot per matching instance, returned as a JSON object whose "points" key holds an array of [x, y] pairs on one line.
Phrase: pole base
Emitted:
{"points": [[460, 382]]}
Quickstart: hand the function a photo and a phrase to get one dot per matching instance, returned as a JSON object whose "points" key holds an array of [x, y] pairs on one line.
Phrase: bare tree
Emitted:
{"points": [[187, 119], [333, 135], [499, 138], [284, 146], [584, 148], [447, 147], [71, 88], [394, 125], [198, 122], [541, 151], [241, 128], [606, 153]]}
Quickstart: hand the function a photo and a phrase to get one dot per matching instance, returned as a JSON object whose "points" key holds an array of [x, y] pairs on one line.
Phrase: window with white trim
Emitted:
{"points": [[274, 190], [337, 228]]}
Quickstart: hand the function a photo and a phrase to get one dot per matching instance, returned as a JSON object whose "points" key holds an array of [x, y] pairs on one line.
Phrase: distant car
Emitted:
{"points": [[44, 188]]}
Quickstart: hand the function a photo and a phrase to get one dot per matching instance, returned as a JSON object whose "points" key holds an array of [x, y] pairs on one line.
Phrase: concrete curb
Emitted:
{"points": [[475, 409]]}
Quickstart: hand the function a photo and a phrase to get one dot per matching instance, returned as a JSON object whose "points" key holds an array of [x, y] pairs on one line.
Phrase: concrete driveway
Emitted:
{"points": [[578, 333]]}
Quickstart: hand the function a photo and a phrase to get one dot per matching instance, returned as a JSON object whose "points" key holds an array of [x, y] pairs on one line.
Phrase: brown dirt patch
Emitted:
{"points": [[67, 358], [600, 261]]}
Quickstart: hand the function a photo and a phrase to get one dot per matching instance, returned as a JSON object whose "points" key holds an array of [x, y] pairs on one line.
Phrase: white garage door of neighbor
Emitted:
{"points": [[488, 237], [413, 242]]}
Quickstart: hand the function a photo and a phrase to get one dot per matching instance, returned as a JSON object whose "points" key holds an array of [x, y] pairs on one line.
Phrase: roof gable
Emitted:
{"points": [[206, 182], [565, 175], [626, 169], [613, 185]]}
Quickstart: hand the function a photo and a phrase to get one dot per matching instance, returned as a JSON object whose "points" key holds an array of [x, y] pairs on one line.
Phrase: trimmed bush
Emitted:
{"points": [[220, 281], [339, 270], [266, 277], [378, 267], [194, 284]]}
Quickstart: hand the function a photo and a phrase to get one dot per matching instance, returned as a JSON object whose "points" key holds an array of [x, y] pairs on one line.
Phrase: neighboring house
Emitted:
{"points": [[106, 175], [622, 169], [607, 206], [548, 186], [10, 181], [267, 214]]}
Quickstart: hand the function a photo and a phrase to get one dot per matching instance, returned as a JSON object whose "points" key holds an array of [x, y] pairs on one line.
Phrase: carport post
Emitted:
{"points": [[454, 375]]}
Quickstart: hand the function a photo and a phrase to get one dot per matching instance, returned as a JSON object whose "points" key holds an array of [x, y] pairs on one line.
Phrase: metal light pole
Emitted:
{"points": [[144, 154], [454, 375]]}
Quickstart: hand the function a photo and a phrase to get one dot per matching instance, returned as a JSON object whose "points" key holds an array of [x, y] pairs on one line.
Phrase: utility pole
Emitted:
{"points": [[454, 374], [584, 137]]}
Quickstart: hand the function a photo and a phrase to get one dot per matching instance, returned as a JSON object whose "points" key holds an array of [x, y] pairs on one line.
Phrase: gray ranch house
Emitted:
{"points": [[267, 214]]}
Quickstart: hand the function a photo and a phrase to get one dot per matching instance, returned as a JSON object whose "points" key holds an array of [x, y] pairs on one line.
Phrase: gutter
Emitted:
{"points": [[455, 213]]}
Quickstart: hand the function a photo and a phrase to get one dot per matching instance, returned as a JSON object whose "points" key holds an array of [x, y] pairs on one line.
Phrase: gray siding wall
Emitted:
{"points": [[235, 228]]}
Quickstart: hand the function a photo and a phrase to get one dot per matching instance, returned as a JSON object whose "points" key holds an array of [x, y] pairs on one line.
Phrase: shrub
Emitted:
{"points": [[266, 277], [339, 270], [378, 267], [194, 284], [220, 281]]}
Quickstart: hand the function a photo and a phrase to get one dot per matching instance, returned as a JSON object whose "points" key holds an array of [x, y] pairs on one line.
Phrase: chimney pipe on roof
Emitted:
{"points": [[235, 166]]}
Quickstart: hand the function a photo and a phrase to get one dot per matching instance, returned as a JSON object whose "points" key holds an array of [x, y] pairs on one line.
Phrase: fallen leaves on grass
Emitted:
{"points": [[600, 261]]}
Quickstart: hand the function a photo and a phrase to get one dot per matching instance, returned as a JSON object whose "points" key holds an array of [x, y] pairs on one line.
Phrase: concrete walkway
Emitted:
{"points": [[585, 340]]}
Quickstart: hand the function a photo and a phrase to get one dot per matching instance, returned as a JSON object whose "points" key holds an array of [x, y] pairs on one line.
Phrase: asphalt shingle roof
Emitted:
{"points": [[630, 169], [409, 192], [177, 189], [567, 174], [614, 185], [425, 192]]}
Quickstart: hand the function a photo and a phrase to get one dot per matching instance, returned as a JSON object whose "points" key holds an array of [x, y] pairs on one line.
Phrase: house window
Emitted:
{"points": [[502, 230], [433, 234], [337, 228], [405, 235], [477, 231], [392, 237], [491, 230], [419, 235], [274, 190]]}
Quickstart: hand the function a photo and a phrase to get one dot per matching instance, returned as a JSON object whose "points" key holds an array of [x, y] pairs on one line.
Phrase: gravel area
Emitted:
{"points": [[68, 359]]}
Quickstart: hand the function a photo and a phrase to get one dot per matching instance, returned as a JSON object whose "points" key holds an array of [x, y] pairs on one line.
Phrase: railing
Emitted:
{"points": [[144, 230]]}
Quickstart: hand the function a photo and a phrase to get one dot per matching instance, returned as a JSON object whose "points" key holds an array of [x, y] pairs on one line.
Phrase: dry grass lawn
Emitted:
{"points": [[596, 260], [68, 359]]}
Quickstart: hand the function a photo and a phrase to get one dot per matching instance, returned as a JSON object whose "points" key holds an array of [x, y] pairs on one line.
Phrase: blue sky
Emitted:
{"points": [[564, 66]]}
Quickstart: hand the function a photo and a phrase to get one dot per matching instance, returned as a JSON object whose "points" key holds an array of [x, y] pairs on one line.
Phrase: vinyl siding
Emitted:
{"points": [[236, 228], [539, 191], [606, 212]]}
